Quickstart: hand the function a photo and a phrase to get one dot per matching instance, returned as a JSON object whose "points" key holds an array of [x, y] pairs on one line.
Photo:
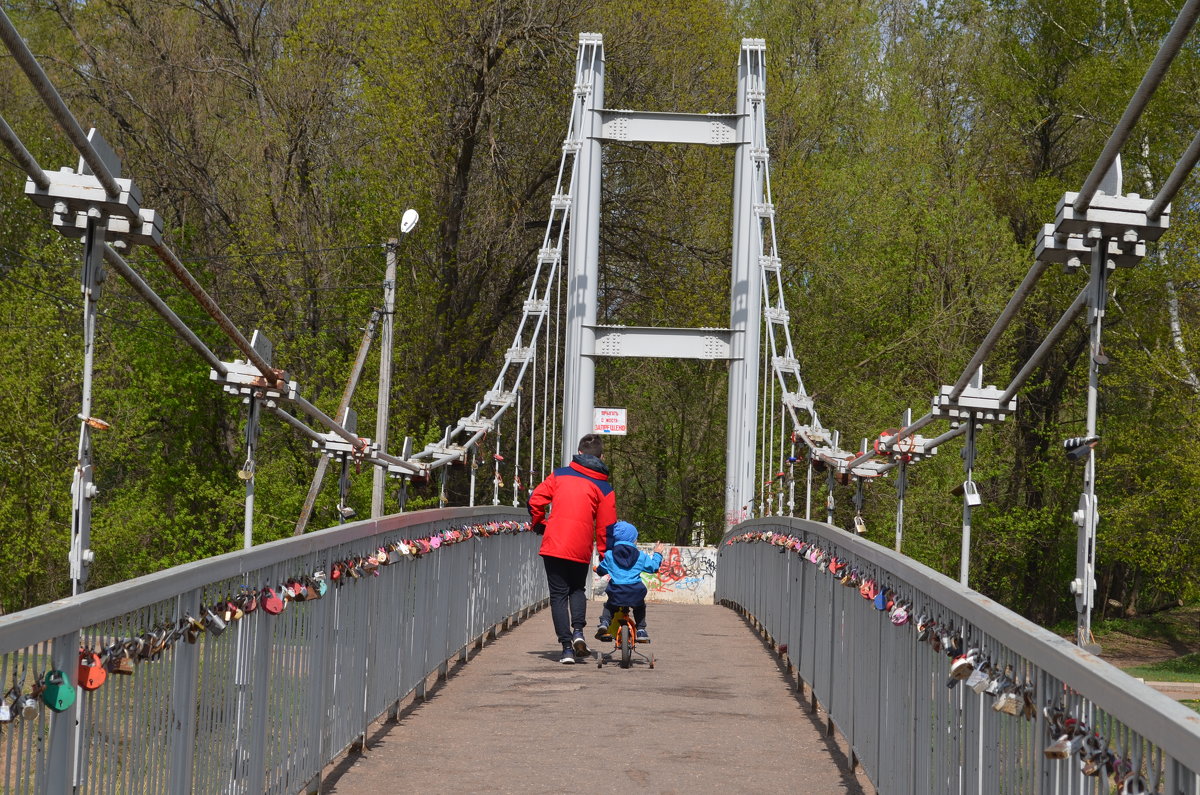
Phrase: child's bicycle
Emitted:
{"points": [[624, 634]]}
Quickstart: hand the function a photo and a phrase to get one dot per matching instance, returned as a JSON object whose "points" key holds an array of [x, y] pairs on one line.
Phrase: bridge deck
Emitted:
{"points": [[715, 714]]}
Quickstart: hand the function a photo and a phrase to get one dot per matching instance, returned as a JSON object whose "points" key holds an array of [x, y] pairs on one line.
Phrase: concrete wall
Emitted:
{"points": [[687, 575]]}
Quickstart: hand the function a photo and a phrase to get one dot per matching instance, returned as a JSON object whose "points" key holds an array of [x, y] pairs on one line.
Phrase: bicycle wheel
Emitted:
{"points": [[625, 641]]}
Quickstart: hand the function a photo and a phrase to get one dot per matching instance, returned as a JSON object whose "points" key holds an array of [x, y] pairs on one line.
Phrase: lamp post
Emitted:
{"points": [[385, 357]]}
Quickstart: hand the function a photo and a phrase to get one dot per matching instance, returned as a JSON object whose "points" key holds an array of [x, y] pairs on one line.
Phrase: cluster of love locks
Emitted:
{"points": [[1069, 736], [55, 690]]}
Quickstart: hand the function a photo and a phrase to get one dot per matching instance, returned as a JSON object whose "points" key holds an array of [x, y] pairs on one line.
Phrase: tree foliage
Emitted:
{"points": [[916, 150]]}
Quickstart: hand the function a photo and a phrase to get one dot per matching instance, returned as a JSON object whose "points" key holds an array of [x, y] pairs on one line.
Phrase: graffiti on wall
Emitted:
{"points": [[683, 569], [687, 574]]}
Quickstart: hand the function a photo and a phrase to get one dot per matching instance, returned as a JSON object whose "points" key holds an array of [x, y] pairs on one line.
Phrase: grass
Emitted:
{"points": [[1181, 669], [1193, 704]]}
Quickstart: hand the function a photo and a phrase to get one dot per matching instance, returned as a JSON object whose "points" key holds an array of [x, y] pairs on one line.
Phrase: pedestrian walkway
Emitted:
{"points": [[716, 714]]}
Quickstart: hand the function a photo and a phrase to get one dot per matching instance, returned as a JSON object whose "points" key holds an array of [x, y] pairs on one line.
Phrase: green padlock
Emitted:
{"points": [[59, 693]]}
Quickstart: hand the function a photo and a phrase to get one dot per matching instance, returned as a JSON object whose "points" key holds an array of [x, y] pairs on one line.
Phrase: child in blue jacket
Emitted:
{"points": [[624, 562]]}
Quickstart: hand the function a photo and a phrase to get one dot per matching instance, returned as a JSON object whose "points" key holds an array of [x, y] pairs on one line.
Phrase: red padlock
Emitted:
{"points": [[270, 602], [91, 671]]}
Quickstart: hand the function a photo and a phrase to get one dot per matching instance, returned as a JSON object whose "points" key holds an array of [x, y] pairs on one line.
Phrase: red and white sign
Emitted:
{"points": [[610, 421]]}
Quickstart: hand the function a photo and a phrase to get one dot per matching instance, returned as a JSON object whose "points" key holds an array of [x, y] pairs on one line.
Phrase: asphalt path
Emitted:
{"points": [[717, 713]]}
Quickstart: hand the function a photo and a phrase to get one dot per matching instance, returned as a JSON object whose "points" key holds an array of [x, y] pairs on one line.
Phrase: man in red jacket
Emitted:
{"points": [[581, 508]]}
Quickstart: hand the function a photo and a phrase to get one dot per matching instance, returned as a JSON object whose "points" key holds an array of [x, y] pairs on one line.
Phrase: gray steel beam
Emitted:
{"points": [[176, 267], [712, 129], [22, 156], [1038, 355], [579, 373], [1175, 180], [58, 109], [745, 295], [165, 312], [1006, 316], [1137, 103], [671, 343]]}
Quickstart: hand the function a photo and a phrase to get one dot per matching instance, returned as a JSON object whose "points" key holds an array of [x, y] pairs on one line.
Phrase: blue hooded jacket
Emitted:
{"points": [[625, 563]]}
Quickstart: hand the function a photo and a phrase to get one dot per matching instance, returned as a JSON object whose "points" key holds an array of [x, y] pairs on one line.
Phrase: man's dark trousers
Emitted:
{"points": [[567, 580]]}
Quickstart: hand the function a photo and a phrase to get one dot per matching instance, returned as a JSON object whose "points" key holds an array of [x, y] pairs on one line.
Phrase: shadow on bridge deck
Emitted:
{"points": [[717, 713]]}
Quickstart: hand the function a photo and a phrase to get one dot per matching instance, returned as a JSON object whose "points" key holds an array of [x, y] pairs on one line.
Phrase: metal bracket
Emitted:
{"points": [[982, 403], [1120, 220], [72, 195]]}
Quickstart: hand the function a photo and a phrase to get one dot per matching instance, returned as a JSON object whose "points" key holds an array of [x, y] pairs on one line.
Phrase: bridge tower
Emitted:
{"points": [[742, 131]]}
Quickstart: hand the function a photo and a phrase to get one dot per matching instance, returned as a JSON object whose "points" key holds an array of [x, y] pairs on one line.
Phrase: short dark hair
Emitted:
{"points": [[592, 444]]}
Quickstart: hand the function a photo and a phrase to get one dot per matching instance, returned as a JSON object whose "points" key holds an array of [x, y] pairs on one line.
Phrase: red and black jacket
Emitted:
{"points": [[578, 506]]}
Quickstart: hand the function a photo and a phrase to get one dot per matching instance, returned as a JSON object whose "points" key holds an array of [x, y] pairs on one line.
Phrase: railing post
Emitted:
{"points": [[260, 672], [183, 703], [60, 774]]}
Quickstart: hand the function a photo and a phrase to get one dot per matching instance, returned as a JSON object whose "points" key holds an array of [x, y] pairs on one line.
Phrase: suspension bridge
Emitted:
{"points": [[257, 670]]}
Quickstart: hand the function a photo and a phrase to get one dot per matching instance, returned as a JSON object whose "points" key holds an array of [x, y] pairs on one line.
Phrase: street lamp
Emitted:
{"points": [[407, 222]]}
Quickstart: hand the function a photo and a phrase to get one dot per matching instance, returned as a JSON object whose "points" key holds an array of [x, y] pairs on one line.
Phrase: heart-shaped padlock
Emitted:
{"points": [[91, 671], [271, 603], [58, 693]]}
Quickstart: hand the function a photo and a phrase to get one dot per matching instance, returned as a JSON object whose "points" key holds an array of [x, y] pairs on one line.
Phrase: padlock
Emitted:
{"points": [[194, 627], [1135, 785], [119, 661], [8, 706], [235, 609], [59, 693], [1029, 708], [1095, 755], [159, 641], [320, 586], [225, 610], [91, 671], [978, 681], [213, 622], [393, 553], [28, 705], [271, 603], [247, 601], [961, 668]]}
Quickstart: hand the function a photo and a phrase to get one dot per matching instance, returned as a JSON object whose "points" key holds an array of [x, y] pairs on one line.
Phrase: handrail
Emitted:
{"points": [[903, 684], [264, 703]]}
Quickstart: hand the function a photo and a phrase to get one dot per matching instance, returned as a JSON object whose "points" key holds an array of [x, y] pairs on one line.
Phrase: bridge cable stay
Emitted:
{"points": [[132, 223], [506, 389], [1109, 228], [82, 204], [360, 360]]}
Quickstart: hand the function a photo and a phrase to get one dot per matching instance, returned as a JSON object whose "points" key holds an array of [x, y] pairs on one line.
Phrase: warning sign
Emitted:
{"points": [[611, 421]]}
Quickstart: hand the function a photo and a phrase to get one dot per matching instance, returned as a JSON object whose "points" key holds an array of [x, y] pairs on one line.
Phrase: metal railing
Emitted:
{"points": [[264, 702], [912, 723]]}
